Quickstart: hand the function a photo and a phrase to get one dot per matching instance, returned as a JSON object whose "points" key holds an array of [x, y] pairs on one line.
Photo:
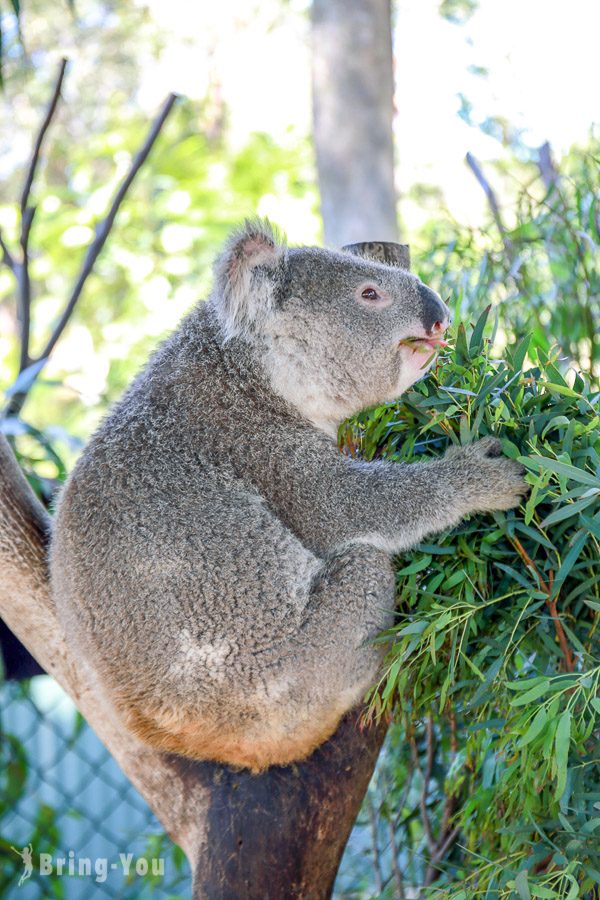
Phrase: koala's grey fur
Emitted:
{"points": [[222, 566]]}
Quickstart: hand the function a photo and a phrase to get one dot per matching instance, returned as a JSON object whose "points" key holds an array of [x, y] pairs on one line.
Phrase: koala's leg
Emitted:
{"points": [[280, 701], [328, 664]]}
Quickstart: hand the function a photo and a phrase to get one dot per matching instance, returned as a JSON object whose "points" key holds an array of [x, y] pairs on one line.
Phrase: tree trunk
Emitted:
{"points": [[276, 835], [353, 91]]}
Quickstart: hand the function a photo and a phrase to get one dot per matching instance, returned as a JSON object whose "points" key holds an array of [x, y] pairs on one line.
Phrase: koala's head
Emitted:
{"points": [[335, 331]]}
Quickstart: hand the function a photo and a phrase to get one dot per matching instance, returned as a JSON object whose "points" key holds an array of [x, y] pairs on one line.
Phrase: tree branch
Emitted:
{"points": [[425, 777], [37, 147], [433, 870], [21, 270], [546, 165], [27, 216], [492, 202], [104, 228], [377, 870], [7, 257], [546, 588], [396, 873]]}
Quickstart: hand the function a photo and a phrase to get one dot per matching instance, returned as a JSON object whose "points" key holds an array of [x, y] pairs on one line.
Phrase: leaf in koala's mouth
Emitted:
{"points": [[423, 344]]}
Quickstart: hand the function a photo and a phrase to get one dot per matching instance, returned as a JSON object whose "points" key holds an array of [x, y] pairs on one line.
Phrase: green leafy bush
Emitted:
{"points": [[537, 261], [494, 666]]}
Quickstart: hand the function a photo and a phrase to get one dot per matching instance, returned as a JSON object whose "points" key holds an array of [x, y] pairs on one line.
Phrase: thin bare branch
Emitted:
{"points": [[37, 147], [492, 202], [102, 232], [24, 289], [377, 868], [546, 165], [104, 228], [433, 869], [449, 807], [27, 216], [396, 873], [547, 588], [425, 777], [7, 257]]}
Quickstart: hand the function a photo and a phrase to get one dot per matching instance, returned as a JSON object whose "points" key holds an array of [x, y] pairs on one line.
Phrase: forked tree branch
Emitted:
{"points": [[103, 229], [37, 147], [27, 212], [20, 267], [7, 257]]}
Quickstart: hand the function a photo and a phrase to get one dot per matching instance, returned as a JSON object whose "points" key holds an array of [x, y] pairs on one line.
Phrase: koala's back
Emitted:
{"points": [[182, 587]]}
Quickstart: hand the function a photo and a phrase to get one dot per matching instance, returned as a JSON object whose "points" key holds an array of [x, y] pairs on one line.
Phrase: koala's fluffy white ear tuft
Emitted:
{"points": [[247, 275]]}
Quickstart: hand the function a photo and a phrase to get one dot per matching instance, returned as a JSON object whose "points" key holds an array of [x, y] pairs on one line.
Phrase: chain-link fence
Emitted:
{"points": [[63, 795]]}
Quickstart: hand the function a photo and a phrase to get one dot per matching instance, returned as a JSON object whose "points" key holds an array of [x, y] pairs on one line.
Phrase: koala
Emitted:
{"points": [[222, 567]]}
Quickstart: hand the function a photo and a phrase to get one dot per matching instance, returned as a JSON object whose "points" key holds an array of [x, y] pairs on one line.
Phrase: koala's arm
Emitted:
{"points": [[329, 500]]}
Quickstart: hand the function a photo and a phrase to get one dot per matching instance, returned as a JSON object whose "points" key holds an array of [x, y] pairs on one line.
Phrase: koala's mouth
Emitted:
{"points": [[423, 344]]}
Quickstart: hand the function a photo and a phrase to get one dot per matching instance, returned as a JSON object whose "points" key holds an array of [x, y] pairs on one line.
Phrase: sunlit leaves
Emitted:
{"points": [[484, 614]]}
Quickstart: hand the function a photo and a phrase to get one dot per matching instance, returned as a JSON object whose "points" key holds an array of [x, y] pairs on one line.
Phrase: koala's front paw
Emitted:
{"points": [[490, 480]]}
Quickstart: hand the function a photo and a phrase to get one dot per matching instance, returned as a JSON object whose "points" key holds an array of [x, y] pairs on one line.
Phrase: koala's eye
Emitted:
{"points": [[370, 293], [374, 298]]}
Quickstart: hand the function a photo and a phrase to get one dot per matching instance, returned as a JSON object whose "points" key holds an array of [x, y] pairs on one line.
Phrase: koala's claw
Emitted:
{"points": [[491, 481]]}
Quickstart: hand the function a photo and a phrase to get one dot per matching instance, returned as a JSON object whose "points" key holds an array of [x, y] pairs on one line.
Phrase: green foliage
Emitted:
{"points": [[542, 271], [496, 644], [458, 11]]}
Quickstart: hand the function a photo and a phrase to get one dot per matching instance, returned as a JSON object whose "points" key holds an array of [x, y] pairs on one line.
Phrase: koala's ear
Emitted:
{"points": [[382, 251], [247, 275]]}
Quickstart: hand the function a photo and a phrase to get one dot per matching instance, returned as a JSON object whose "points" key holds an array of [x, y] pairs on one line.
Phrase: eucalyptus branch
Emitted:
{"points": [[438, 846], [546, 587], [446, 838], [433, 870]]}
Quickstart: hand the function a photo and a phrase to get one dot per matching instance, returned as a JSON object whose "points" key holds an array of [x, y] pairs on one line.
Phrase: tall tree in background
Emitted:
{"points": [[353, 97]]}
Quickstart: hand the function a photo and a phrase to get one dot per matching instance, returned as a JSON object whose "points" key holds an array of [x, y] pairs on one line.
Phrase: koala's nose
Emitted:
{"points": [[435, 315]]}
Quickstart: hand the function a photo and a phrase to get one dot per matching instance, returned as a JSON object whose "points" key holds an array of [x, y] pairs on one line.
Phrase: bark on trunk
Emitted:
{"points": [[353, 90], [277, 835]]}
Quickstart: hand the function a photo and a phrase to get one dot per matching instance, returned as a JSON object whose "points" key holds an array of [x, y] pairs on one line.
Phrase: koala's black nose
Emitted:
{"points": [[434, 312]]}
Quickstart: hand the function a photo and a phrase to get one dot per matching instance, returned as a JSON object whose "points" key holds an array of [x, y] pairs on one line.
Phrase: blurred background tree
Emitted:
{"points": [[517, 225]]}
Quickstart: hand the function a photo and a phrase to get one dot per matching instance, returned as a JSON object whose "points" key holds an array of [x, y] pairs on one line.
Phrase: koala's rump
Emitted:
{"points": [[189, 606]]}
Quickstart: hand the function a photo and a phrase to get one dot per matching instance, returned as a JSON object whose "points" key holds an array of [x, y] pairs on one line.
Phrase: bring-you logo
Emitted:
{"points": [[74, 866]]}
